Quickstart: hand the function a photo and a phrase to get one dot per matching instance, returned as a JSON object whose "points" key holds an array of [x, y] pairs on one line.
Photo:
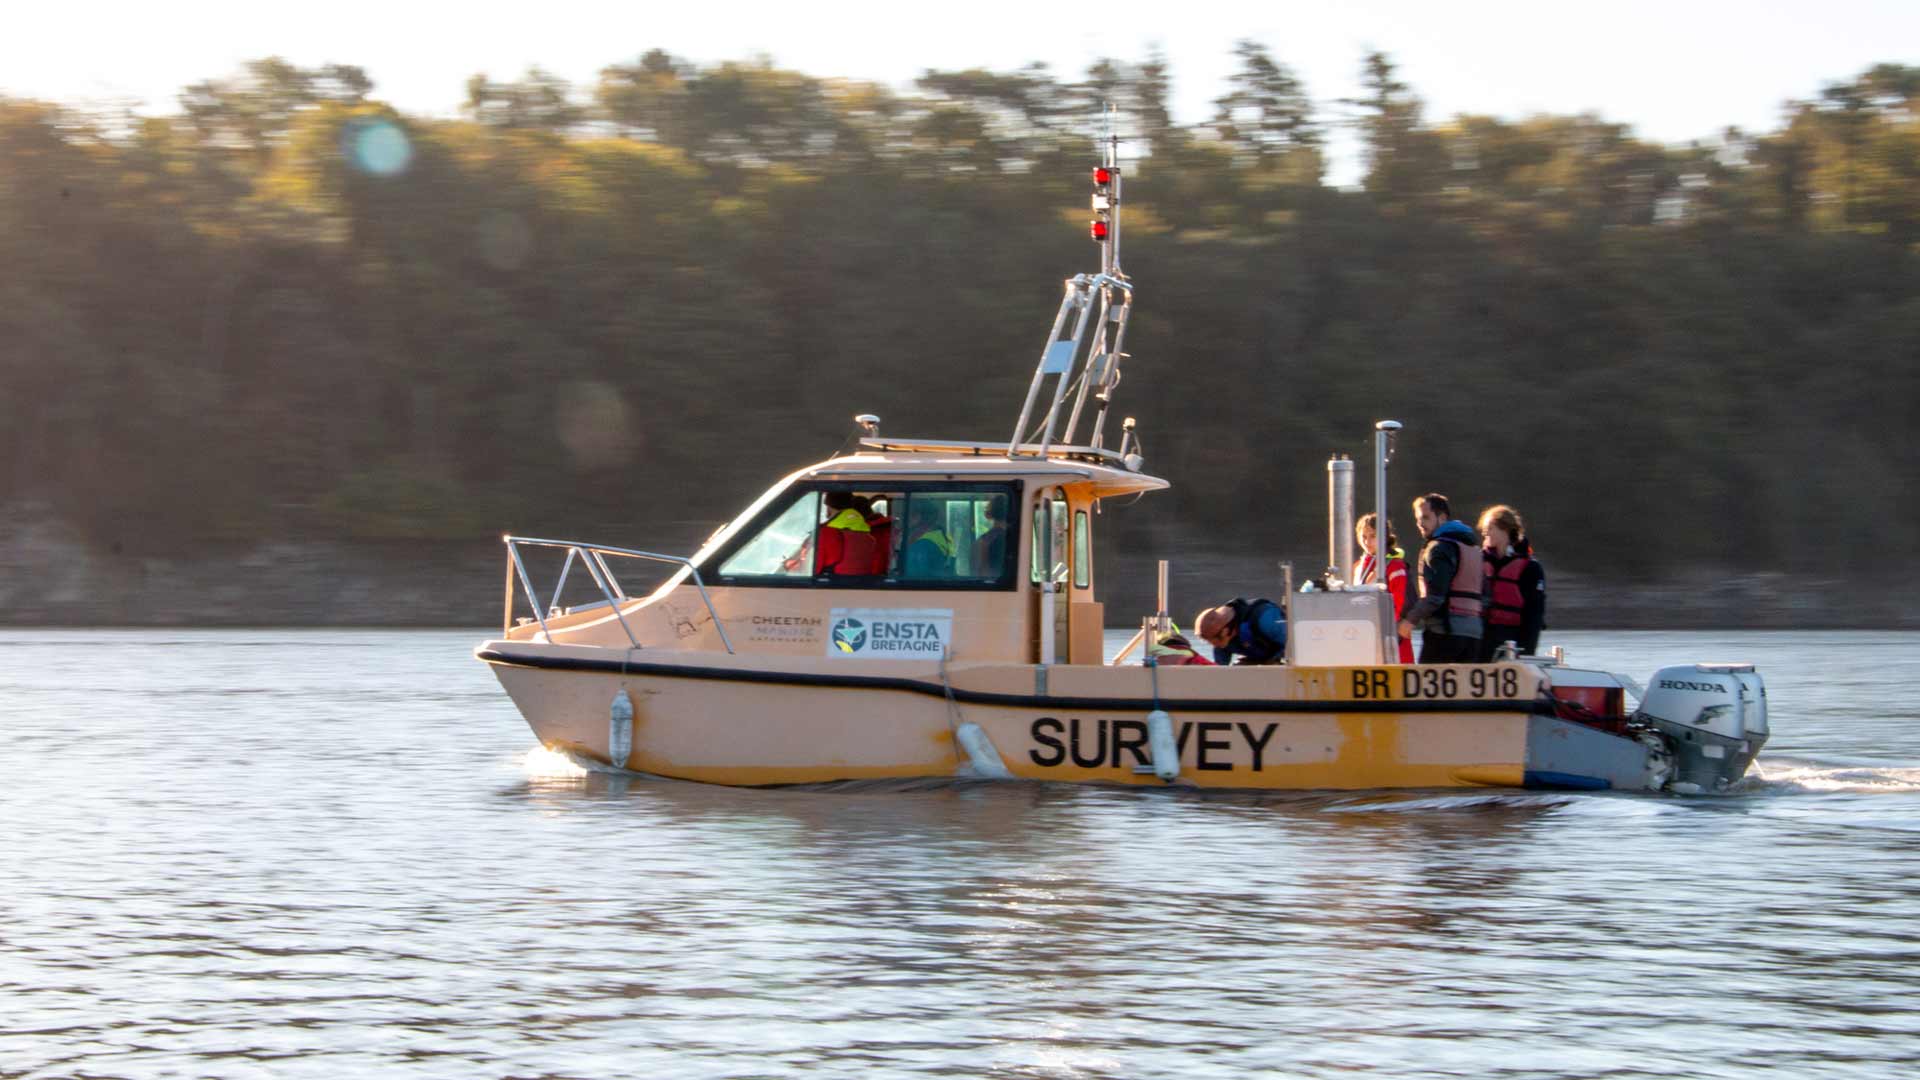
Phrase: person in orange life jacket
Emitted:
{"points": [[1516, 585], [846, 545], [929, 552], [1253, 630], [1398, 575], [1452, 586], [1175, 650]]}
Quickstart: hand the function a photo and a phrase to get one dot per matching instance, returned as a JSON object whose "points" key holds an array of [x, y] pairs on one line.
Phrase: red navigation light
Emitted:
{"points": [[1103, 202]]}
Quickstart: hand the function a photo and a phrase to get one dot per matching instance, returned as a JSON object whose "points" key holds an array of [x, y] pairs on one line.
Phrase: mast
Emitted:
{"points": [[1086, 363]]}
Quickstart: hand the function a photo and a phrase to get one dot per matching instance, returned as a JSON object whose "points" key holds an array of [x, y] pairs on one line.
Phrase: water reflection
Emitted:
{"points": [[297, 863]]}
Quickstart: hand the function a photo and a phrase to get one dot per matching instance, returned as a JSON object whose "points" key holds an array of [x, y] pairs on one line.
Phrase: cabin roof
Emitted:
{"points": [[921, 459]]}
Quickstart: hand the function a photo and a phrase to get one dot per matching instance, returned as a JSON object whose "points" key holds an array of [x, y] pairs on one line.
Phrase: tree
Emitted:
{"points": [[647, 99], [537, 101], [1403, 160], [1266, 114]]}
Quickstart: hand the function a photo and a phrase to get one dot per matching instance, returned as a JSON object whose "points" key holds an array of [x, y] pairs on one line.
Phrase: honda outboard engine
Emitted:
{"points": [[1714, 715]]}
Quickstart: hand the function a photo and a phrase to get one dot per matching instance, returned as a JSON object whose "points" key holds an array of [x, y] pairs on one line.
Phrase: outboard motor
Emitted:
{"points": [[1715, 717]]}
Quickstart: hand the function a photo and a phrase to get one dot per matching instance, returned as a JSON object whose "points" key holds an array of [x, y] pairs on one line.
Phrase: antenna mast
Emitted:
{"points": [[1104, 300]]}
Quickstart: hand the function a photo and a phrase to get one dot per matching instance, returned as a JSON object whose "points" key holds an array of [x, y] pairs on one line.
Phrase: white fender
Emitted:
{"points": [[981, 754], [1166, 755], [620, 729]]}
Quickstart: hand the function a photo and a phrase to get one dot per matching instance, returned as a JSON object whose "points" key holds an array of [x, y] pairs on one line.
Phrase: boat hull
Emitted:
{"points": [[767, 721]]}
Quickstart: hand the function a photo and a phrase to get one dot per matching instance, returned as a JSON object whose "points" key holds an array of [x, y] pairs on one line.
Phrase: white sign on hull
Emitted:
{"points": [[889, 633]]}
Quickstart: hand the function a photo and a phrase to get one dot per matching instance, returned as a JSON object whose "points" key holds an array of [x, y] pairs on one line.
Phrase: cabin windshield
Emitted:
{"points": [[887, 535]]}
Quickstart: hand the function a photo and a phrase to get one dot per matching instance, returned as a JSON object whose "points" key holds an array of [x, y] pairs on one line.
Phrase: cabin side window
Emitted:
{"points": [[897, 536], [1050, 536], [1082, 555]]}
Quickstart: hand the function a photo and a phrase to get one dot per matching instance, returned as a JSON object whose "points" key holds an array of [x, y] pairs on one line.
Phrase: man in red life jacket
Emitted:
{"points": [[1452, 586], [1516, 585], [1398, 574], [846, 546]]}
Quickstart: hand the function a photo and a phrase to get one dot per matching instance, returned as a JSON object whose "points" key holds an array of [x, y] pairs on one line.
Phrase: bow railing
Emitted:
{"points": [[593, 557]]}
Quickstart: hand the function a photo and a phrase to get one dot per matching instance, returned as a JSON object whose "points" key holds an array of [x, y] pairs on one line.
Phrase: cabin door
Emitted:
{"points": [[1052, 560]]}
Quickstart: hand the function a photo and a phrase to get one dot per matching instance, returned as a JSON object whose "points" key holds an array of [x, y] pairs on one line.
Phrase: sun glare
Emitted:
{"points": [[541, 763]]}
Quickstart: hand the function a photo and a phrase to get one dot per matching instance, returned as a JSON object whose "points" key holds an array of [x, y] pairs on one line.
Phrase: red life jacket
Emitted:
{"points": [[882, 527], [847, 546], [1398, 574], [1507, 605], [1466, 592]]}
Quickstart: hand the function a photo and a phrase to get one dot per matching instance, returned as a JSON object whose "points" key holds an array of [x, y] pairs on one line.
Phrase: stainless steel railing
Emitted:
{"points": [[594, 558]]}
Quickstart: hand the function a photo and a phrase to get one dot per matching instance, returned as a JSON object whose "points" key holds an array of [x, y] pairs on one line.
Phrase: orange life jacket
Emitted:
{"points": [[1466, 593]]}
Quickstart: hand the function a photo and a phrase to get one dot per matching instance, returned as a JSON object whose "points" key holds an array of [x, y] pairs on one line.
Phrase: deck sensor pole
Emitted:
{"points": [[1383, 433], [1161, 618], [1339, 517]]}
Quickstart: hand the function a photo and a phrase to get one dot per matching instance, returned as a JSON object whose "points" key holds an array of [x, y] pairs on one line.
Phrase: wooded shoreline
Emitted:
{"points": [[291, 311], [49, 577]]}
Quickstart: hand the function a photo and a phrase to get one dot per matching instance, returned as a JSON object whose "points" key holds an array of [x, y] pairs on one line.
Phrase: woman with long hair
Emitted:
{"points": [[1398, 570], [1516, 584]]}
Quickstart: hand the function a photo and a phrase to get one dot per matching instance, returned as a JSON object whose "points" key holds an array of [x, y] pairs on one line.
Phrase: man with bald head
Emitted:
{"points": [[1255, 631]]}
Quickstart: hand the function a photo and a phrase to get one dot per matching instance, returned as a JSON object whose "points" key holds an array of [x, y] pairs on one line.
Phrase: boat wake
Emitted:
{"points": [[1813, 778], [1476, 802], [1769, 778]]}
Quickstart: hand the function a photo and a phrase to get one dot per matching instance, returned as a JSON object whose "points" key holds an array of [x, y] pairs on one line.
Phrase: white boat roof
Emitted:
{"points": [[882, 458]]}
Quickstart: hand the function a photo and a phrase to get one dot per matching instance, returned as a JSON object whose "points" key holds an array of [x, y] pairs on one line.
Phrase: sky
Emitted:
{"points": [[1674, 70]]}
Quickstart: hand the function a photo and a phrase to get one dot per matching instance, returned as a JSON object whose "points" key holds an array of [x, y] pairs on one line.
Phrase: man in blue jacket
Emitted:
{"points": [[1452, 586], [1253, 630]]}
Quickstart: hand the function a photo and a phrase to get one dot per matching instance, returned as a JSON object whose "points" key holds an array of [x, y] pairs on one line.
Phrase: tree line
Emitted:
{"points": [[621, 310]]}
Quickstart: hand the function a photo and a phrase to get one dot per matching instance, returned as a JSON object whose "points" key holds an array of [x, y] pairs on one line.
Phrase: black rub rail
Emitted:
{"points": [[981, 697]]}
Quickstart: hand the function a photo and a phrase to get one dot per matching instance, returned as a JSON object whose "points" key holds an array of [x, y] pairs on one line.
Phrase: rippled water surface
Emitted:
{"points": [[339, 854]]}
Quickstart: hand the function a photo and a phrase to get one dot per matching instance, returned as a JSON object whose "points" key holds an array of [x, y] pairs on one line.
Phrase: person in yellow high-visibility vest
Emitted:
{"points": [[929, 552]]}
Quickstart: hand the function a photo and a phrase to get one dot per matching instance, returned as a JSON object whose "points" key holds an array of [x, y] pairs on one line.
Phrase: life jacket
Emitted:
{"points": [[882, 527], [938, 539], [1363, 574], [928, 554], [847, 545], [1466, 593], [1246, 617], [1175, 650], [1399, 583], [1506, 605]]}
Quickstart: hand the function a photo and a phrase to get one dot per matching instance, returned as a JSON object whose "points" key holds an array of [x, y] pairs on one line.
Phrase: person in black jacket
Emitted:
{"points": [[1245, 631], [1516, 585], [1452, 586]]}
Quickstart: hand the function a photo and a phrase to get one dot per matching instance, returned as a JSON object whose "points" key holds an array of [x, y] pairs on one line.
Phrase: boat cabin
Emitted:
{"points": [[904, 550]]}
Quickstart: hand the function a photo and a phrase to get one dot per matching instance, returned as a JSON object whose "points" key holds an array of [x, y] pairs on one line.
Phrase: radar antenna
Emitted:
{"points": [[1085, 364]]}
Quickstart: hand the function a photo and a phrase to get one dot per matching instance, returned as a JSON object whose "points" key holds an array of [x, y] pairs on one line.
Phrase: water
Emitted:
{"points": [[336, 854]]}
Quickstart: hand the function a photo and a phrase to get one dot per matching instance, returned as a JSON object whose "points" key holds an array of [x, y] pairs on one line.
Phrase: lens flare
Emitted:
{"points": [[377, 147]]}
